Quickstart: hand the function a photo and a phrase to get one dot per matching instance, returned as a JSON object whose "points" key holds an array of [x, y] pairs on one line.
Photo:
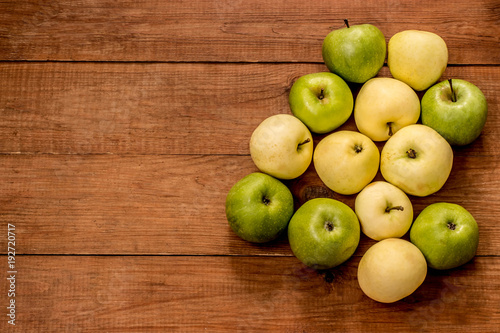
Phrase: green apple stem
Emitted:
{"points": [[329, 225], [321, 94], [453, 95], [400, 208], [346, 22]]}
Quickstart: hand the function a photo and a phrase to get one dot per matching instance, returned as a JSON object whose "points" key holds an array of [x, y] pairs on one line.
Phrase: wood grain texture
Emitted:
{"points": [[65, 108], [108, 204], [231, 30], [240, 294], [123, 125]]}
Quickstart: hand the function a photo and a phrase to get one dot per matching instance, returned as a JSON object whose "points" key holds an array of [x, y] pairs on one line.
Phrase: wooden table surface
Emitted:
{"points": [[123, 125]]}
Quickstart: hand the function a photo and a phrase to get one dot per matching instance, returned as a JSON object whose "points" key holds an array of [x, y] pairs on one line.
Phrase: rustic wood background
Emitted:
{"points": [[123, 124]]}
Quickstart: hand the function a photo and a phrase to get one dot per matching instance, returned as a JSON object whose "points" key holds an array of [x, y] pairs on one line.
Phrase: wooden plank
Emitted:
{"points": [[109, 204], [230, 30], [232, 294], [67, 108]]}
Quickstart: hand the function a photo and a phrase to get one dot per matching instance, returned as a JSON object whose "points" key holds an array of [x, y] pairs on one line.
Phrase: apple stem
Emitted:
{"points": [[453, 95], [322, 94], [401, 208], [411, 153], [303, 143], [329, 226], [390, 128], [346, 22]]}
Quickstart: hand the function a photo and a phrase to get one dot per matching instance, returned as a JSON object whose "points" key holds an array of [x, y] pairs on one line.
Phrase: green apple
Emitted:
{"points": [[447, 234], [417, 160], [384, 211], [356, 53], [323, 233], [416, 57], [391, 269], [385, 105], [282, 146], [322, 101], [259, 207], [346, 161], [456, 109]]}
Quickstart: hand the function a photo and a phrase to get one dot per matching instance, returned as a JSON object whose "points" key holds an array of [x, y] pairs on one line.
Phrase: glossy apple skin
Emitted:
{"points": [[428, 171], [391, 270], [282, 146], [323, 101], [447, 234], [356, 53], [384, 211], [416, 57], [459, 122], [259, 207], [384, 106], [340, 165], [323, 233]]}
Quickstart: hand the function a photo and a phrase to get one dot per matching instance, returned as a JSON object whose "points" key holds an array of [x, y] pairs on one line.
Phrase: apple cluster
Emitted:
{"points": [[416, 159]]}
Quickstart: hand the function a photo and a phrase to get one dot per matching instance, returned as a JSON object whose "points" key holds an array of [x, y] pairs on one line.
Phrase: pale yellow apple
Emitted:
{"points": [[384, 211], [416, 57], [346, 161], [384, 106], [391, 269], [282, 146], [417, 159]]}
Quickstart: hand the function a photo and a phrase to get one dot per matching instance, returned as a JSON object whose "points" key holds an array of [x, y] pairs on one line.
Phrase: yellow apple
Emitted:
{"points": [[282, 146], [385, 105], [391, 269], [417, 159], [384, 211], [346, 161], [416, 57]]}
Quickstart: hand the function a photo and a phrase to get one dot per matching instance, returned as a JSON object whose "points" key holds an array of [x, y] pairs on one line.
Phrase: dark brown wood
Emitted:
{"points": [[231, 294], [231, 30], [63, 108]]}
